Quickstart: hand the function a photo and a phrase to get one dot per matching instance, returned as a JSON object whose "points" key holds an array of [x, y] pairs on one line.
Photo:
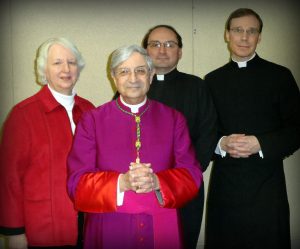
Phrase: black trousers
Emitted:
{"points": [[191, 219]]}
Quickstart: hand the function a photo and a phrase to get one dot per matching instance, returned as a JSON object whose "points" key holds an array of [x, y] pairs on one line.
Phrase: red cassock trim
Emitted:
{"points": [[97, 192], [177, 187]]}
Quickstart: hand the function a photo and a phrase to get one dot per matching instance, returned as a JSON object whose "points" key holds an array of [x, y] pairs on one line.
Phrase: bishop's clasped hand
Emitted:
{"points": [[141, 178]]}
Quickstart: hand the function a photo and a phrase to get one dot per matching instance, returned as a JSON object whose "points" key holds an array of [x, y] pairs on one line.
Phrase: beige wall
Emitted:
{"points": [[98, 27]]}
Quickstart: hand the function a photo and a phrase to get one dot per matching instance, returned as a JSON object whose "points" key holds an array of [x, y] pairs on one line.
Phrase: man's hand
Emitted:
{"points": [[240, 145], [139, 178]]}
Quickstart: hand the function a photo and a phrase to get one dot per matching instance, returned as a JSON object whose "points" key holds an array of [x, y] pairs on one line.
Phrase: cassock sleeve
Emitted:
{"points": [[14, 151], [205, 127], [91, 189], [181, 183], [285, 140]]}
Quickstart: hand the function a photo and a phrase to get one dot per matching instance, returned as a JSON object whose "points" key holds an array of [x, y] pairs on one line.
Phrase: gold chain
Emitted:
{"points": [[137, 119]]}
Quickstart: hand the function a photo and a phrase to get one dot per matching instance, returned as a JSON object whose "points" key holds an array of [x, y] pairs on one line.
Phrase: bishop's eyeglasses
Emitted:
{"points": [[125, 71], [166, 44]]}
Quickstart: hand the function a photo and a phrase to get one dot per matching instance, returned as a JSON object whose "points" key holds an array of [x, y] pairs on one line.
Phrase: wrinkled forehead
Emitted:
{"points": [[133, 61]]}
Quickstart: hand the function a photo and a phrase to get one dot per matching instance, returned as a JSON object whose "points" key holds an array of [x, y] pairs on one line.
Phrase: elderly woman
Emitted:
{"points": [[132, 164], [35, 208]]}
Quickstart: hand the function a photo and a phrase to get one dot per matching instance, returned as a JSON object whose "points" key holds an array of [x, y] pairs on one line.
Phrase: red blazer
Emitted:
{"points": [[36, 140]]}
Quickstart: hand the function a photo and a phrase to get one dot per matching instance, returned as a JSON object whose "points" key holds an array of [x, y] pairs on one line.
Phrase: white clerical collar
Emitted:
{"points": [[244, 63], [133, 108], [160, 77], [65, 100]]}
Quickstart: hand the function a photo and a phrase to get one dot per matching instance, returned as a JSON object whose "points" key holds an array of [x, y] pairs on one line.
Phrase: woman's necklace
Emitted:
{"points": [[137, 119]]}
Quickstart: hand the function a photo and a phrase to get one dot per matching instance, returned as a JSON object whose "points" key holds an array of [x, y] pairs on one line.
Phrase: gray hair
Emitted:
{"points": [[42, 56], [123, 53]]}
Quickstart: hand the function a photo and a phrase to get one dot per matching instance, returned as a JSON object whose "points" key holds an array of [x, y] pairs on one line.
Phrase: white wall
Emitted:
{"points": [[99, 27]]}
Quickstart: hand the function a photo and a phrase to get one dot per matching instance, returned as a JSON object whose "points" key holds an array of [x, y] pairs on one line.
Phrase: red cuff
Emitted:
{"points": [[177, 187], [97, 192]]}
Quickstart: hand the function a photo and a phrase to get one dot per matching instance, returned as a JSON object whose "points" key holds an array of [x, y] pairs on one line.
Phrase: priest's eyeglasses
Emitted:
{"points": [[125, 71], [166, 44], [241, 31]]}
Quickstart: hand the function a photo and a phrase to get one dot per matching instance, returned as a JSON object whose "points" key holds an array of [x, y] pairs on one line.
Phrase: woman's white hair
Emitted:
{"points": [[42, 56]]}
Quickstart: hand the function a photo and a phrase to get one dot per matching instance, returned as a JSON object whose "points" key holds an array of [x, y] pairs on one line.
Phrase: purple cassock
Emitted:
{"points": [[104, 147]]}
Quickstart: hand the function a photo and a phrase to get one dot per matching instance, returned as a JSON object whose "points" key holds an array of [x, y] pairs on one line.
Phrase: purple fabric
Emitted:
{"points": [[104, 141], [136, 231]]}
